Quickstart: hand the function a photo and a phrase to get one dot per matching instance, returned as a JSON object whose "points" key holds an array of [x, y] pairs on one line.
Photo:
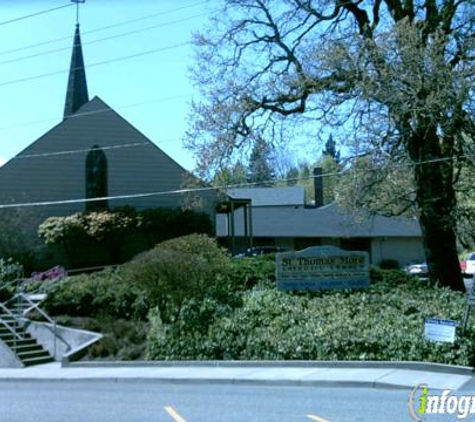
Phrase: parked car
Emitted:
{"points": [[468, 266], [261, 250], [419, 269]]}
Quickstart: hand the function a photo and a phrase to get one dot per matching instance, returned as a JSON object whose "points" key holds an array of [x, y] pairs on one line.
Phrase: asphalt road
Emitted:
{"points": [[93, 401]]}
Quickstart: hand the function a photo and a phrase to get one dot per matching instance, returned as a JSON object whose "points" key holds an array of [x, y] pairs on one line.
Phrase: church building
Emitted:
{"points": [[95, 159]]}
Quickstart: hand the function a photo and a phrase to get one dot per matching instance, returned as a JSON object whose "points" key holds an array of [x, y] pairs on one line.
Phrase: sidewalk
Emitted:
{"points": [[325, 374]]}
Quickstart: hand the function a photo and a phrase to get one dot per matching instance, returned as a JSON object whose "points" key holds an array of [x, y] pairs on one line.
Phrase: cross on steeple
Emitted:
{"points": [[77, 8]]}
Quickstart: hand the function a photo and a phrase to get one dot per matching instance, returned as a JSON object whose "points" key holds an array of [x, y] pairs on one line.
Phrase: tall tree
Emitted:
{"points": [[292, 176], [330, 169], [259, 169], [330, 150], [397, 75]]}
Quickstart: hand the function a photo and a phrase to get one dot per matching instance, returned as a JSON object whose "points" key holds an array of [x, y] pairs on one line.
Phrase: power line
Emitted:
{"points": [[104, 148], [145, 194], [102, 110], [124, 34], [78, 151], [35, 14], [196, 190], [201, 189], [68, 37], [117, 59]]}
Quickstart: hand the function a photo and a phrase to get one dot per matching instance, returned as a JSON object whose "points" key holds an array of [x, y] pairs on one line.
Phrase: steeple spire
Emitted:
{"points": [[76, 94]]}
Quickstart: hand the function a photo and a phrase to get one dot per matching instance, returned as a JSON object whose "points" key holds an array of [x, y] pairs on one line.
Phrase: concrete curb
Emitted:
{"points": [[414, 366], [213, 381]]}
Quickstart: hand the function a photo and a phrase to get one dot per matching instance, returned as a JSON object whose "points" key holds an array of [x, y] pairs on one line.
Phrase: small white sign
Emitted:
{"points": [[441, 330]]}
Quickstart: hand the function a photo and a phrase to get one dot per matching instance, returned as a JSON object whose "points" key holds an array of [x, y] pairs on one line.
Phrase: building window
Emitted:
{"points": [[96, 179]]}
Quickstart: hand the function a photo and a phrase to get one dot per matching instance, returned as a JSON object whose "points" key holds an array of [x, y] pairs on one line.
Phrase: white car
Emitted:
{"points": [[419, 269], [469, 267]]}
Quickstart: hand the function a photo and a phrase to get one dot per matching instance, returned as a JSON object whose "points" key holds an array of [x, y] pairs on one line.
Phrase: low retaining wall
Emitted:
{"points": [[8, 359], [70, 344]]}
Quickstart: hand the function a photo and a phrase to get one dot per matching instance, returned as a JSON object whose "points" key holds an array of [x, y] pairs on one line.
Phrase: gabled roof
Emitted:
{"points": [[52, 167], [328, 221], [76, 93], [263, 197]]}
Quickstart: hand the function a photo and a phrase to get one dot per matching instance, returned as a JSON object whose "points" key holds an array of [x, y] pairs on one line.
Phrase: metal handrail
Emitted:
{"points": [[12, 330], [20, 319], [36, 306]]}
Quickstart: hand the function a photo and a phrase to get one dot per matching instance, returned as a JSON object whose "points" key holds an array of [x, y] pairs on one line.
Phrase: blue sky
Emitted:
{"points": [[158, 81]]}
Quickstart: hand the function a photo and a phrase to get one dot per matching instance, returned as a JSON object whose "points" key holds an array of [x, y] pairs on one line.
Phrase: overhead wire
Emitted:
{"points": [[199, 189], [103, 28], [102, 110], [116, 59], [31, 15], [80, 151], [123, 34], [147, 194]]}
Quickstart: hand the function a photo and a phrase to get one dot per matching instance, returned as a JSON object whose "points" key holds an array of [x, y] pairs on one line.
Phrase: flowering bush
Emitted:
{"points": [[113, 237], [10, 270]]}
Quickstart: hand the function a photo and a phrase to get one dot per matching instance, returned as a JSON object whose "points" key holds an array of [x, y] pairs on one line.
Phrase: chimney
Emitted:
{"points": [[318, 186]]}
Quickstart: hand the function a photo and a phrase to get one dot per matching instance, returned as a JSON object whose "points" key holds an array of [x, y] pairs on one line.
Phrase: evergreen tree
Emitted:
{"points": [[330, 150], [292, 176], [259, 169]]}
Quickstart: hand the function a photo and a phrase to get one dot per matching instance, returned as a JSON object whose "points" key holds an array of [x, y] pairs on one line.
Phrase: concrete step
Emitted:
{"points": [[12, 324], [25, 342], [38, 360], [6, 317], [31, 354], [25, 346], [4, 330], [10, 336]]}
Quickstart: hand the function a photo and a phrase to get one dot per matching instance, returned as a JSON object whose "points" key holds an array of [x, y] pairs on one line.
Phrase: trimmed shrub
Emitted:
{"points": [[187, 267], [245, 273], [101, 293]]}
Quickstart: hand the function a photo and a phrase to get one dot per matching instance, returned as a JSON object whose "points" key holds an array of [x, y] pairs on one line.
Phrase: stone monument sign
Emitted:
{"points": [[322, 268]]}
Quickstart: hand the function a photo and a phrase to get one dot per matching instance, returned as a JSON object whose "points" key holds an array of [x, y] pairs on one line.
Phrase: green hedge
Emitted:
{"points": [[385, 322]]}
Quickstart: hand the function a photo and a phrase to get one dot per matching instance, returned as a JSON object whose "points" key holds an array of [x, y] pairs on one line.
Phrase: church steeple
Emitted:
{"points": [[76, 94]]}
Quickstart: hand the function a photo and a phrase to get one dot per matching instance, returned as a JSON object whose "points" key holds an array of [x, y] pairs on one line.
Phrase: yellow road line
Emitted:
{"points": [[176, 417], [316, 418]]}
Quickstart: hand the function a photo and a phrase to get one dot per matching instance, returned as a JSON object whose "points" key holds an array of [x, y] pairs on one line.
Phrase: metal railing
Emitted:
{"points": [[20, 318], [16, 334], [36, 307]]}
